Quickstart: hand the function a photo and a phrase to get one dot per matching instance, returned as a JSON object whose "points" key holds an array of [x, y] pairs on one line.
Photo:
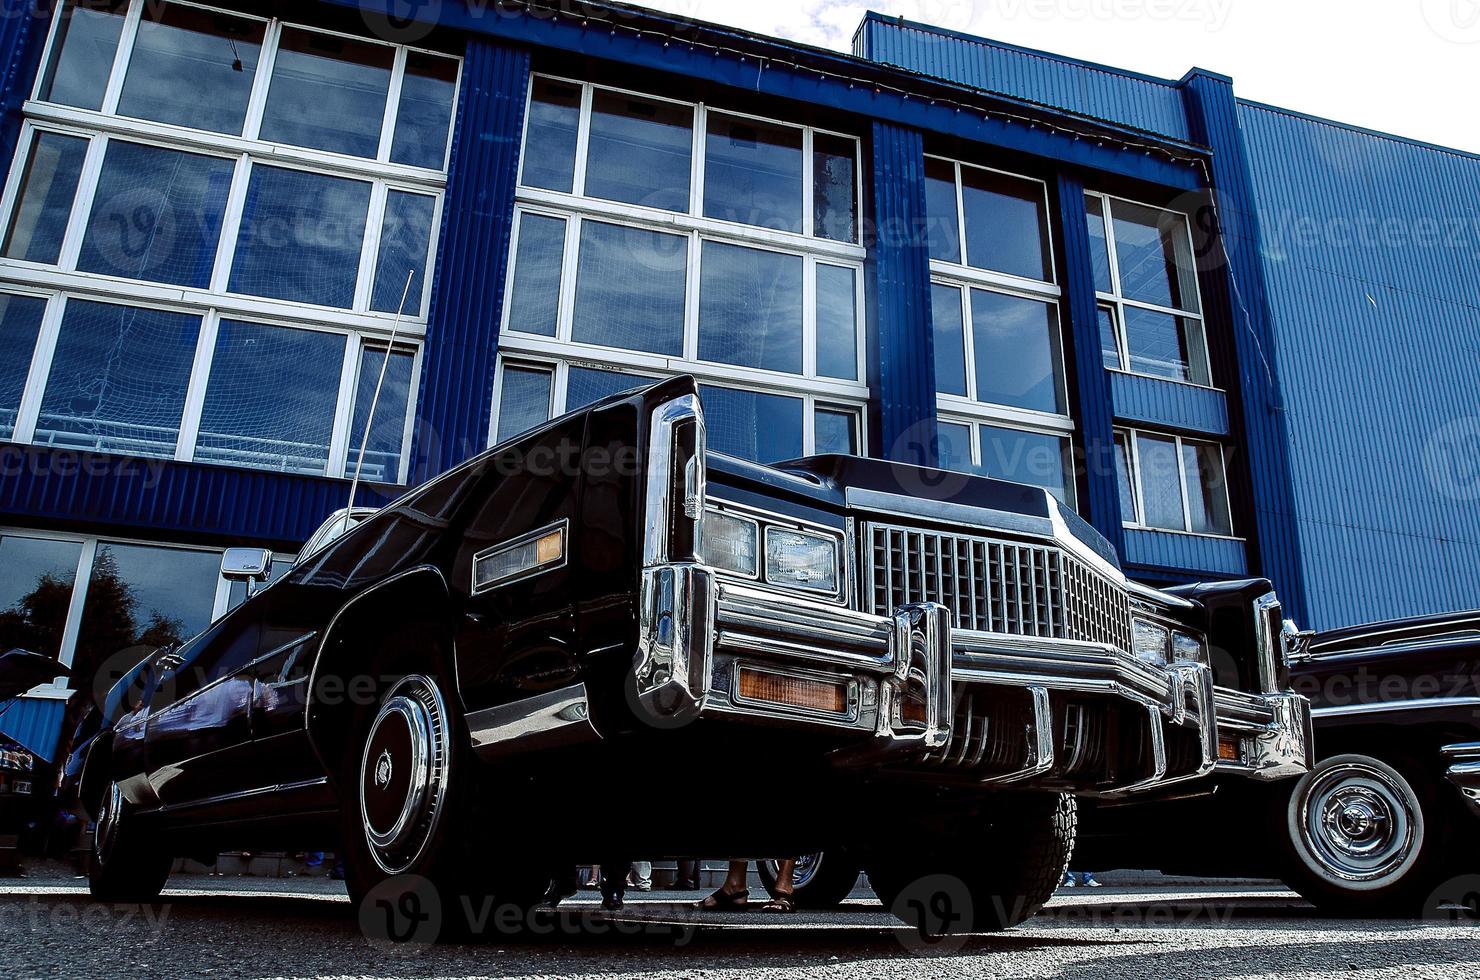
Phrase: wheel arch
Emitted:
{"points": [[356, 632]]}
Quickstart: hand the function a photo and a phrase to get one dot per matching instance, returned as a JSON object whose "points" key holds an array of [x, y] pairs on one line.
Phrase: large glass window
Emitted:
{"points": [[43, 206], [837, 322], [552, 130], [156, 215], [1017, 356], [384, 449], [20, 325], [192, 67], [1174, 484], [534, 300], [301, 237], [586, 386], [424, 119], [641, 151], [144, 596], [753, 173], [37, 576], [1151, 319], [271, 399], [118, 379], [1002, 219], [750, 307], [1017, 455], [753, 425], [524, 399], [82, 55], [405, 243], [835, 187], [328, 92], [630, 288]]}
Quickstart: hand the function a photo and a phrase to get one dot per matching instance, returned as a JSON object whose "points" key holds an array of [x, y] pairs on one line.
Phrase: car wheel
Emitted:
{"points": [[820, 881], [126, 864], [987, 875], [410, 818], [1363, 837]]}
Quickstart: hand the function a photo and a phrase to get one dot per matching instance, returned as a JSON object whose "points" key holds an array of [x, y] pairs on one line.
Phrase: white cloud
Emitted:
{"points": [[1410, 67]]}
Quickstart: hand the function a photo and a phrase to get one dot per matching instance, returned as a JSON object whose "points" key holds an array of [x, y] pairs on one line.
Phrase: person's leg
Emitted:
{"points": [[781, 901], [688, 875], [594, 878], [642, 874], [614, 882], [733, 893], [565, 884]]}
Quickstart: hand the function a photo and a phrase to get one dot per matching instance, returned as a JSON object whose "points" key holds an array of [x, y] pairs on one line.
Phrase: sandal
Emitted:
{"points": [[723, 901], [783, 903]]}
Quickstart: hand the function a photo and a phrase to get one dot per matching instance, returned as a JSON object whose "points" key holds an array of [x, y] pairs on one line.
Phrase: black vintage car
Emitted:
{"points": [[1387, 820], [599, 638]]}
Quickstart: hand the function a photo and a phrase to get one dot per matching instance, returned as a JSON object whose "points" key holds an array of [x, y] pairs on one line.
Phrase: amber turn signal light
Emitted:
{"points": [[1228, 750], [794, 692]]}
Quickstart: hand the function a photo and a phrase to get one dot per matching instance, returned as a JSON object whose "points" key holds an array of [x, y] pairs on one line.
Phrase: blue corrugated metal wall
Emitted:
{"points": [[23, 28], [35, 723], [1372, 254]]}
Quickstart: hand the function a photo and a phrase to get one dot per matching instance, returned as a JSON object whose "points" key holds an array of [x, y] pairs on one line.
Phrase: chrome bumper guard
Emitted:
{"points": [[1463, 770], [698, 634]]}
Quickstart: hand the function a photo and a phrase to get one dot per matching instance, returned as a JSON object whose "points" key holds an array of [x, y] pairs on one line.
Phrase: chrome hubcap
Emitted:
{"points": [[106, 832], [403, 773], [1359, 823]]}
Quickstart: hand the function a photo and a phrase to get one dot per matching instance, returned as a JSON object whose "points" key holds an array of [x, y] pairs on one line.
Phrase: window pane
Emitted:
{"points": [[405, 243], [1027, 457], [1006, 224], [950, 339], [1155, 256], [953, 447], [835, 187], [837, 322], [44, 203], [550, 141], [524, 401], [36, 579], [1017, 351], [20, 323], [388, 434], [328, 93], [157, 215], [1123, 481], [1158, 345], [534, 306], [192, 68], [1099, 247], [586, 386], [750, 308], [630, 288], [1161, 482], [271, 398], [940, 210], [641, 151], [424, 120], [762, 428], [753, 173], [1207, 490], [1109, 337], [301, 237], [836, 431], [144, 596], [118, 379], [82, 59]]}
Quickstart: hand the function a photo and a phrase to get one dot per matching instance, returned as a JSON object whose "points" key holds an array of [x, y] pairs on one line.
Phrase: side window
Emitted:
{"points": [[219, 652]]}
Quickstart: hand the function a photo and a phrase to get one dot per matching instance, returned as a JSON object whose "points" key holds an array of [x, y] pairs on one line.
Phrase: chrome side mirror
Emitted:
{"points": [[246, 564]]}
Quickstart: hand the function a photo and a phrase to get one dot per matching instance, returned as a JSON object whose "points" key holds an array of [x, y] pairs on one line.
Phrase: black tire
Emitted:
{"points": [[984, 878], [821, 881], [416, 839], [1363, 836], [127, 865]]}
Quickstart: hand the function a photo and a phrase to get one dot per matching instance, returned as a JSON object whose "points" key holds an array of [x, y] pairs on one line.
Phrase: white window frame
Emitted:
{"points": [[1199, 358], [1133, 459], [575, 208], [975, 423]]}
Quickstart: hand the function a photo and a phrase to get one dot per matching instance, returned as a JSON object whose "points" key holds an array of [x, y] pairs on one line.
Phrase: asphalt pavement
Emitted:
{"points": [[270, 928]]}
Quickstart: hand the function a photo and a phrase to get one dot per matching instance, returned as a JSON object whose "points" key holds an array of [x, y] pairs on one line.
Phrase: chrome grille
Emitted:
{"points": [[997, 586]]}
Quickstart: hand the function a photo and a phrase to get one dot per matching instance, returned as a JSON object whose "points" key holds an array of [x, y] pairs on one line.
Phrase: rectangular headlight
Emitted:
{"points": [[1189, 648], [801, 560], [731, 544], [1152, 642]]}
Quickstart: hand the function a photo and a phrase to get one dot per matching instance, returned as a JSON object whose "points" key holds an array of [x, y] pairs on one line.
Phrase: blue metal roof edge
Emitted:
{"points": [[1361, 130]]}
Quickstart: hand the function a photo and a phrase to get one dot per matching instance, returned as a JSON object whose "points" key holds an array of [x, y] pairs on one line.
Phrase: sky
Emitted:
{"points": [[1409, 67]]}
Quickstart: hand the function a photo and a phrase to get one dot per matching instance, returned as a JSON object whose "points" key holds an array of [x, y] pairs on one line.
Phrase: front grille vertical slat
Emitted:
{"points": [[998, 586]]}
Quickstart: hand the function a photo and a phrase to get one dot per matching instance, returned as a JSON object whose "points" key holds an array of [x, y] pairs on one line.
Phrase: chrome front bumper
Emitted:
{"points": [[997, 709], [1463, 770]]}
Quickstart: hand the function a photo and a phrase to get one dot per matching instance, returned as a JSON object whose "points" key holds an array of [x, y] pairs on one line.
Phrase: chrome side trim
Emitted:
{"points": [[546, 721], [675, 646], [1040, 758], [659, 504], [1411, 704], [1158, 757], [245, 794], [1464, 772], [1268, 641]]}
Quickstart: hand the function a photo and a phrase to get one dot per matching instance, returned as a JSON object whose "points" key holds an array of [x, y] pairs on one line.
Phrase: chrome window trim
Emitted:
{"points": [[562, 526], [1410, 704]]}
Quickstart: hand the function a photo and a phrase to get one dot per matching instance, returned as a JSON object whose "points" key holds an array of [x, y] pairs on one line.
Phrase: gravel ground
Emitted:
{"points": [[264, 928]]}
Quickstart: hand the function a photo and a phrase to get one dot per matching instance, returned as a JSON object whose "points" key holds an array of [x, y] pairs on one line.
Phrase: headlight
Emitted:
{"points": [[1189, 648], [799, 560], [1152, 642], [732, 544]]}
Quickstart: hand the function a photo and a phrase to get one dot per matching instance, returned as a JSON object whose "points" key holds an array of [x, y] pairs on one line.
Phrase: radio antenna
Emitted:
{"points": [[354, 488]]}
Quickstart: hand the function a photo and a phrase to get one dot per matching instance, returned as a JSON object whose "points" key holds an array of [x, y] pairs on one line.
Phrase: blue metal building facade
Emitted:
{"points": [[1344, 378]]}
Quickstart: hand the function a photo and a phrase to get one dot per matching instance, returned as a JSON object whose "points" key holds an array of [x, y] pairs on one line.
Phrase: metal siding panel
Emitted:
{"points": [[472, 258], [1164, 551], [35, 723], [902, 355], [1374, 272], [22, 36], [1167, 404]]}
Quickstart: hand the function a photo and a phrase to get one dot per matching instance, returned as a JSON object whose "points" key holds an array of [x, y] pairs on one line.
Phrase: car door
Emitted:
{"points": [[199, 723]]}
